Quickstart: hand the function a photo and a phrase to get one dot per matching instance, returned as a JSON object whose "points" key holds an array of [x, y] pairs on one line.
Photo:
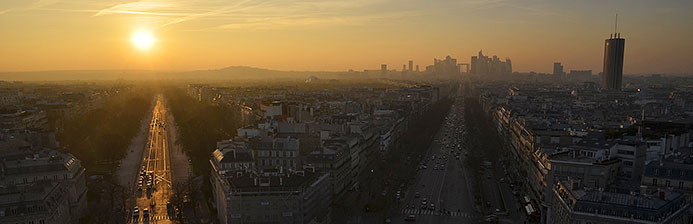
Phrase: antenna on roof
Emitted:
{"points": [[616, 24]]}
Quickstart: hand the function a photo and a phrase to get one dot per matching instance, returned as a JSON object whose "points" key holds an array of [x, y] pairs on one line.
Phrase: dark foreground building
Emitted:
{"points": [[613, 62]]}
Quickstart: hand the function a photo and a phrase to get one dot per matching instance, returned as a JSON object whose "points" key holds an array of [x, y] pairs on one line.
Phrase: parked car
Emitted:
{"points": [[136, 214], [410, 218]]}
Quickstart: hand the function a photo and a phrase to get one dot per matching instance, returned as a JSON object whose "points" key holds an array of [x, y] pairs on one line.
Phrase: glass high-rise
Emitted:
{"points": [[613, 62]]}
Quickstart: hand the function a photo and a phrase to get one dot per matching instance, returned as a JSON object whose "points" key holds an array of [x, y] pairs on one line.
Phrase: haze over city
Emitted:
{"points": [[338, 35], [346, 112]]}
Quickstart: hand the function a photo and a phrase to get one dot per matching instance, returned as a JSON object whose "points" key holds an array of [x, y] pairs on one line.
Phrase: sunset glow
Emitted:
{"points": [[142, 40], [338, 35]]}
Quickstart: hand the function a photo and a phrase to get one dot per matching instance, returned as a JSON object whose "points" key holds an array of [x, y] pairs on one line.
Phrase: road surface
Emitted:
{"points": [[448, 188], [156, 169]]}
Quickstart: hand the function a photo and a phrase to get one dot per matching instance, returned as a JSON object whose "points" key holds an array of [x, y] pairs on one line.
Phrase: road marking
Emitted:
{"points": [[431, 212]]}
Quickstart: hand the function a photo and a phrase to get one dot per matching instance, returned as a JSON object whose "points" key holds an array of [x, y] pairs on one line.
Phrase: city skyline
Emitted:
{"points": [[338, 35]]}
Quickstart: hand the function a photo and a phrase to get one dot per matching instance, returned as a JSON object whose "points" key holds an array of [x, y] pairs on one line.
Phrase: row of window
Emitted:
{"points": [[276, 154], [275, 162], [667, 183], [36, 178], [41, 221]]}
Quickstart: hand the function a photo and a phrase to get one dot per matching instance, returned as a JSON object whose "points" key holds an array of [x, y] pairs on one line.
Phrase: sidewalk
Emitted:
{"points": [[180, 167], [126, 174]]}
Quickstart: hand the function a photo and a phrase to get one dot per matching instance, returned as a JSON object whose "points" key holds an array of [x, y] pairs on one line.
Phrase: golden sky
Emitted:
{"points": [[336, 35]]}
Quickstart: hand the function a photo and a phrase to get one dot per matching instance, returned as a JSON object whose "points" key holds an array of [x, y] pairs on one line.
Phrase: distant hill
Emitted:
{"points": [[228, 73], [241, 72], [77, 75]]}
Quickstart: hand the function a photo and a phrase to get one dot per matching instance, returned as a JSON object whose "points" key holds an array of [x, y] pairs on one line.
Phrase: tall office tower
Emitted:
{"points": [[613, 62], [383, 69], [404, 68], [557, 68], [483, 65], [411, 65]]}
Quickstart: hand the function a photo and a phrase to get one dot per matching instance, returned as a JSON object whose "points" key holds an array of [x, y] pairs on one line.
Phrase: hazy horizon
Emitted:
{"points": [[313, 35]]}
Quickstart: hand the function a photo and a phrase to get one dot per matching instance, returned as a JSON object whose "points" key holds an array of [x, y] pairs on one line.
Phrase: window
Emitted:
{"points": [[625, 152], [654, 181], [667, 184], [680, 184]]}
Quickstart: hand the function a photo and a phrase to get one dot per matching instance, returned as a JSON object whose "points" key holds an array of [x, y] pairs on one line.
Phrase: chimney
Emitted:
{"points": [[662, 195], [601, 193], [643, 189]]}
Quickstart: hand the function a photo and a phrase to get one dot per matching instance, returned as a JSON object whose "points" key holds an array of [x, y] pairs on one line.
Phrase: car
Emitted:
{"points": [[410, 218], [384, 193], [416, 195], [135, 213], [145, 214], [491, 218], [139, 187], [498, 210], [433, 206]]}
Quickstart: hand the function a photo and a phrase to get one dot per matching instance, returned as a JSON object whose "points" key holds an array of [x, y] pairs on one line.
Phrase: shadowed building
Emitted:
{"points": [[483, 65], [613, 62], [557, 68]]}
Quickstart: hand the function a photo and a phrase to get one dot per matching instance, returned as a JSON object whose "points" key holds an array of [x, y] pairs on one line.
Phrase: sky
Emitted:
{"points": [[337, 35]]}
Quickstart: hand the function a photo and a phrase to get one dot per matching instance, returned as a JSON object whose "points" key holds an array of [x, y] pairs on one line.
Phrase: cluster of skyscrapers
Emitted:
{"points": [[482, 64]]}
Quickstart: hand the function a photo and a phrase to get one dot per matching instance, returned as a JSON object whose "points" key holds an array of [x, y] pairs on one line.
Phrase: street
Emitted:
{"points": [[153, 188], [442, 193]]}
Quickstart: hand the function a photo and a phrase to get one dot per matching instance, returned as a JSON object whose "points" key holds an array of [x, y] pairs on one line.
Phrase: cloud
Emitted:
{"points": [[255, 13], [35, 5], [140, 7]]}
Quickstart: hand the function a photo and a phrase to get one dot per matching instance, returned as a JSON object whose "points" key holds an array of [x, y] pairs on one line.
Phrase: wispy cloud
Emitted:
{"points": [[140, 7], [252, 13], [34, 5]]}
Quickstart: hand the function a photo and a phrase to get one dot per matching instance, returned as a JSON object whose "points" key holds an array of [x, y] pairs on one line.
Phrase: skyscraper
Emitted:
{"points": [[411, 65], [613, 62], [383, 69], [483, 65], [557, 68]]}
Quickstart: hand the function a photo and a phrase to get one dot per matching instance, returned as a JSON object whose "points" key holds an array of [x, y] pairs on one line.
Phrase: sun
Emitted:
{"points": [[142, 40]]}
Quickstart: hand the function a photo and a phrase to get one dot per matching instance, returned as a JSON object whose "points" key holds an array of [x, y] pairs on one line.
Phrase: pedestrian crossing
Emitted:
{"points": [[159, 217], [413, 211]]}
